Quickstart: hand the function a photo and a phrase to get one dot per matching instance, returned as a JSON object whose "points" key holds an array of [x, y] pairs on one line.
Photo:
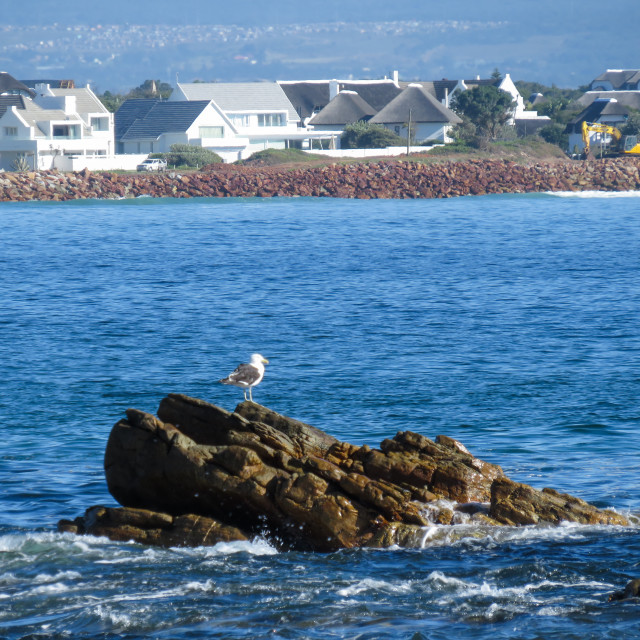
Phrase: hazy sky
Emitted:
{"points": [[535, 14]]}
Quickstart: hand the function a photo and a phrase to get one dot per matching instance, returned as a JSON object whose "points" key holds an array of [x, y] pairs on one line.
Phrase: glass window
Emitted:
{"points": [[70, 131], [212, 132], [11, 131], [100, 124], [271, 120]]}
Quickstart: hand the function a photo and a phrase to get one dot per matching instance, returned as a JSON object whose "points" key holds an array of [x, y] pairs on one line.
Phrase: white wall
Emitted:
{"points": [[368, 153]]}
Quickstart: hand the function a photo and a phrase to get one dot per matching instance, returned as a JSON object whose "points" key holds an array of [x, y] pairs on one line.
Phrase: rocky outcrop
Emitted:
{"points": [[150, 527], [198, 474], [631, 590], [384, 179]]}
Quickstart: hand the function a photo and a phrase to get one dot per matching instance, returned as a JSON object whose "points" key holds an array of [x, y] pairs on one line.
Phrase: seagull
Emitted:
{"points": [[248, 375]]}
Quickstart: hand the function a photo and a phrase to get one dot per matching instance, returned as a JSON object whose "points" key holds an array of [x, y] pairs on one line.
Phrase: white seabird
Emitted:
{"points": [[247, 375]]}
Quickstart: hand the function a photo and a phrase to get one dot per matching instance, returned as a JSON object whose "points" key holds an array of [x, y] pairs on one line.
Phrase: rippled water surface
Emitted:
{"points": [[507, 322]]}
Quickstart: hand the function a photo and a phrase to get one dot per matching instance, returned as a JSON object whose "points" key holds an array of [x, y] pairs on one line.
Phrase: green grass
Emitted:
{"points": [[270, 157]]}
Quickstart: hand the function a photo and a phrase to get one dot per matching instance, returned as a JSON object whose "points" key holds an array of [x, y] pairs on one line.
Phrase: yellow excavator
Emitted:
{"points": [[620, 146]]}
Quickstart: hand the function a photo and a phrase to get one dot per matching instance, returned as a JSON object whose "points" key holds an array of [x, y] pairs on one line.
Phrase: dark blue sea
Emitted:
{"points": [[511, 323]]}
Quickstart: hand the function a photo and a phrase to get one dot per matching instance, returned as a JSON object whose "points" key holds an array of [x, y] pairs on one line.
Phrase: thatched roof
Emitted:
{"points": [[347, 107], [418, 103]]}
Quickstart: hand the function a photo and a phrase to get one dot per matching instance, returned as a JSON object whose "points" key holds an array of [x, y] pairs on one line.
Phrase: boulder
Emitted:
{"points": [[198, 474], [631, 590], [513, 503], [149, 527]]}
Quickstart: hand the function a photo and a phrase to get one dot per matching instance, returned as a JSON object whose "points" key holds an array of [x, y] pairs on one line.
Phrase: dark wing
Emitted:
{"points": [[245, 374]]}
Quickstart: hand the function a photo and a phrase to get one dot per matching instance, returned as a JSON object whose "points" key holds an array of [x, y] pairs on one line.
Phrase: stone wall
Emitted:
{"points": [[382, 179]]}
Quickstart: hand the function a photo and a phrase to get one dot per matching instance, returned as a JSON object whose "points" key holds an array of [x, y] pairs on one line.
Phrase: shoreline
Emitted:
{"points": [[397, 179]]}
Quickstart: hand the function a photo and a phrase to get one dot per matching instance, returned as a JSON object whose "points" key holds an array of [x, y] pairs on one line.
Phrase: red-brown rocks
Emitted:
{"points": [[384, 179]]}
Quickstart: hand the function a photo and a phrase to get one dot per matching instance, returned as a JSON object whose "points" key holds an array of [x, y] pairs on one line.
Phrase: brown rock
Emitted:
{"points": [[148, 527], [262, 473], [513, 503]]}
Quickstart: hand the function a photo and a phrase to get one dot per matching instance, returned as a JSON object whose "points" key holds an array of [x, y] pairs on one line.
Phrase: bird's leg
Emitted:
{"points": [[244, 391], [250, 395]]}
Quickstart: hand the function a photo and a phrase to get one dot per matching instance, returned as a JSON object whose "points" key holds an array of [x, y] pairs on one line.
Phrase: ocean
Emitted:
{"points": [[507, 322]]}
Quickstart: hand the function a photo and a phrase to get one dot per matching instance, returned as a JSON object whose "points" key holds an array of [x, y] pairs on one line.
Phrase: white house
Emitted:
{"points": [[153, 125], [260, 112], [621, 84], [64, 129], [430, 120]]}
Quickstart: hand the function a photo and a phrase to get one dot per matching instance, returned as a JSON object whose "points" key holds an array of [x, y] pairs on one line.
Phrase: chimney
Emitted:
{"points": [[395, 77], [446, 97], [334, 89]]}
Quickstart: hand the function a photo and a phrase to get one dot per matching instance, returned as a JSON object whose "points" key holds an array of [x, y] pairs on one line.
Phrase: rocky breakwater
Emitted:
{"points": [[198, 475], [385, 179]]}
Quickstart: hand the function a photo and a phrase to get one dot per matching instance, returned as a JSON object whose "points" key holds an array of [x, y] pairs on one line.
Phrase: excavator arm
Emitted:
{"points": [[598, 127]]}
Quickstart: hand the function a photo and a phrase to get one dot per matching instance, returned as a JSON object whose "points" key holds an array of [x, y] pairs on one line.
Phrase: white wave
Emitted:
{"points": [[594, 194], [257, 547], [107, 614], [8, 578], [490, 536], [45, 578], [534, 593], [369, 584], [49, 589], [205, 587]]}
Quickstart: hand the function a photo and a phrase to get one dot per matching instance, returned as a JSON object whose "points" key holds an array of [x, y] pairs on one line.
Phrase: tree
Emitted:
{"points": [[151, 89], [487, 108], [363, 135], [111, 101], [632, 126], [554, 133], [148, 89]]}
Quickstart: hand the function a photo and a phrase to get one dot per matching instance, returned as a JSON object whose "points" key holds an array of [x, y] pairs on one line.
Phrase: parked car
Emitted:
{"points": [[152, 164]]}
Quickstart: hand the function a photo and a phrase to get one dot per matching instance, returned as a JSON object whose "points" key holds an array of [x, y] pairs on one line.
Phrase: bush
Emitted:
{"points": [[554, 134], [189, 156], [362, 135], [21, 164]]}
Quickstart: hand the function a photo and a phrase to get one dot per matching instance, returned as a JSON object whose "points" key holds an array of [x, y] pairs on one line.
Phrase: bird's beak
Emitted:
{"points": [[265, 361]]}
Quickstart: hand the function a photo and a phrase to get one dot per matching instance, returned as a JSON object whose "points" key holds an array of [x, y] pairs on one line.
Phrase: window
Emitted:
{"points": [[69, 131], [239, 119], [271, 120], [100, 124], [11, 131], [212, 132]]}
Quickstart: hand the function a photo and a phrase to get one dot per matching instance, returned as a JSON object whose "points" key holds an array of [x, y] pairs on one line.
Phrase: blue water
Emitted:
{"points": [[507, 322]]}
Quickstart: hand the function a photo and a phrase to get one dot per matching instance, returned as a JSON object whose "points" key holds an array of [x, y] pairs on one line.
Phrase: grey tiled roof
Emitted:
{"points": [[130, 111], [347, 107], [86, 101], [234, 97], [423, 106], [162, 117]]}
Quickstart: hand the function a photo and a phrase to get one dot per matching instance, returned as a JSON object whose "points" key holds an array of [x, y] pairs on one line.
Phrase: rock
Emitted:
{"points": [[148, 527], [198, 474], [632, 590], [513, 503], [383, 179]]}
